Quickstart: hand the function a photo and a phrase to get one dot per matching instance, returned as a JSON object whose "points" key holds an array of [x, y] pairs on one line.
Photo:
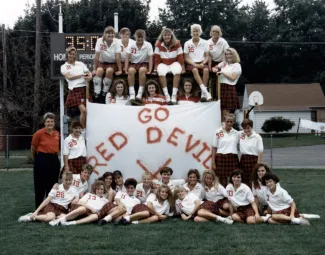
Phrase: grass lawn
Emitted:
{"points": [[289, 140], [170, 237]]}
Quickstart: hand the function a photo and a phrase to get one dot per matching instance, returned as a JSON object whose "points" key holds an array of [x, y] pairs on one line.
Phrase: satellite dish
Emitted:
{"points": [[255, 98]]}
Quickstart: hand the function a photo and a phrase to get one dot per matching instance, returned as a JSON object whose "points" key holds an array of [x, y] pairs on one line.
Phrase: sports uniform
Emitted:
{"points": [[139, 57], [229, 98], [226, 159], [121, 100], [217, 50], [141, 194], [163, 208], [75, 149], [124, 49], [249, 146], [128, 201], [241, 200], [196, 53], [215, 198], [198, 190], [186, 205], [173, 183], [157, 99], [184, 99], [77, 87], [80, 186], [93, 203]]}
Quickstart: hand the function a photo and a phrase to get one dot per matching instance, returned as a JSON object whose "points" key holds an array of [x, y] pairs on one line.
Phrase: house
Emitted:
{"points": [[291, 101]]}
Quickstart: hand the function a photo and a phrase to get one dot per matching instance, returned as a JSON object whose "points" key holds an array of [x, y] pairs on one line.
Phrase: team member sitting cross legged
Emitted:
{"points": [[89, 205], [155, 209], [124, 200], [196, 54], [283, 207], [57, 202]]}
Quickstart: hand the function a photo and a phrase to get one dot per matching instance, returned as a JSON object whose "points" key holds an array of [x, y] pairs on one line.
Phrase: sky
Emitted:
{"points": [[12, 9]]}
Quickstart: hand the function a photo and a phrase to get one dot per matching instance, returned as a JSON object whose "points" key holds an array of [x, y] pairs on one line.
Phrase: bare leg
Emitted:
{"points": [[200, 219], [109, 73], [83, 114], [45, 217], [281, 218], [163, 81], [151, 219], [75, 213], [205, 76], [206, 214], [131, 75], [142, 76], [88, 219], [197, 76], [176, 79], [235, 217], [139, 215]]}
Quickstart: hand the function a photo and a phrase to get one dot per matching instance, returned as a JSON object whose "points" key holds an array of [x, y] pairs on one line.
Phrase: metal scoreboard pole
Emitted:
{"points": [[61, 93]]}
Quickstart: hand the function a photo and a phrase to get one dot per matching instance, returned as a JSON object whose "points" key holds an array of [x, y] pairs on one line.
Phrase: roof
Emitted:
{"points": [[289, 97]]}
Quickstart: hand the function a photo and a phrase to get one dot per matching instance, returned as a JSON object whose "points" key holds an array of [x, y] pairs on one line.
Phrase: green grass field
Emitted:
{"points": [[170, 237]]}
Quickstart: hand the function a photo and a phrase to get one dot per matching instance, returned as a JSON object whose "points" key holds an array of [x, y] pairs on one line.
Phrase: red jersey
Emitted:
{"points": [[157, 99], [170, 55]]}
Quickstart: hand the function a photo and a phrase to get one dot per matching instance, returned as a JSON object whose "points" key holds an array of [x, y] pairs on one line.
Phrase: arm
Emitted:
{"points": [[189, 60], [118, 62], [152, 209], [260, 155], [150, 64], [206, 58], [42, 205], [231, 76], [257, 214], [292, 211], [119, 204], [126, 64], [213, 155], [231, 209], [210, 63], [96, 61], [110, 196], [65, 160], [34, 151], [73, 77]]}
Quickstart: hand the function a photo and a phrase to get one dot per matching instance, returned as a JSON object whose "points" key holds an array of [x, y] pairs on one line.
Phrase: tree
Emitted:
{"points": [[277, 124]]}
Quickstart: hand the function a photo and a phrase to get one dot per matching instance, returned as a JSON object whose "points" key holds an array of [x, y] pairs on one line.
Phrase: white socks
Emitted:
{"points": [[127, 218], [203, 88], [140, 92], [108, 218], [175, 90]]}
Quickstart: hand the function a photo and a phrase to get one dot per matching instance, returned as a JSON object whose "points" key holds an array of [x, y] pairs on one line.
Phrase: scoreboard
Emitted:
{"points": [[84, 43]]}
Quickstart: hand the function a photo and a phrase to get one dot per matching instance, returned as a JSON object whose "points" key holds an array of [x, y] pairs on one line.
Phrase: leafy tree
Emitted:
{"points": [[277, 124]]}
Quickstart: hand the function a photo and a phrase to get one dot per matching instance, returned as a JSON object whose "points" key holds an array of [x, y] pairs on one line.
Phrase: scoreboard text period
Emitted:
{"points": [[84, 43]]}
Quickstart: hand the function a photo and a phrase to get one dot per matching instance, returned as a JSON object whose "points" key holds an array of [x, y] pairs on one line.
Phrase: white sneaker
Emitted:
{"points": [[67, 223], [226, 220], [304, 222], [309, 216], [25, 218], [174, 99], [167, 98], [54, 223], [132, 97], [208, 96]]}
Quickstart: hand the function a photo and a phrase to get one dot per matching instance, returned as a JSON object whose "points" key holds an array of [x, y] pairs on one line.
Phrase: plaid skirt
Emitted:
{"points": [[53, 208], [139, 208], [76, 97], [228, 97], [105, 210], [247, 164], [76, 206], [225, 164], [106, 65], [189, 68], [287, 212], [75, 165], [221, 202], [209, 206], [245, 211], [137, 66]]}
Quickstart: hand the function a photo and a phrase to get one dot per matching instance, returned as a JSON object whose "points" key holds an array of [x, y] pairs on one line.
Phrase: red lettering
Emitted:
{"points": [[150, 139], [115, 145], [205, 148], [146, 118], [102, 152], [206, 161], [161, 109], [173, 135], [96, 163], [155, 174], [190, 147]]}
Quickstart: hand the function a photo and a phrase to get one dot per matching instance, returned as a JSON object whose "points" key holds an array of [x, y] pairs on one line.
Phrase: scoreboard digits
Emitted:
{"points": [[84, 43]]}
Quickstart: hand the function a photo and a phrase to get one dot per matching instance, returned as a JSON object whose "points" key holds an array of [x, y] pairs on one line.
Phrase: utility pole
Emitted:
{"points": [[36, 107], [4, 52]]}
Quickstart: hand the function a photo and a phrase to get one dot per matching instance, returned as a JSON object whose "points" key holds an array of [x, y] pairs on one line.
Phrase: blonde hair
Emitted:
{"points": [[173, 39], [69, 50], [235, 56], [196, 26], [109, 29], [230, 115], [68, 175], [215, 179], [96, 185], [177, 189], [169, 198], [146, 174], [216, 28]]}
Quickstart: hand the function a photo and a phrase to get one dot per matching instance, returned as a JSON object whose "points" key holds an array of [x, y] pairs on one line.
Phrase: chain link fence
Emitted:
{"points": [[280, 151]]}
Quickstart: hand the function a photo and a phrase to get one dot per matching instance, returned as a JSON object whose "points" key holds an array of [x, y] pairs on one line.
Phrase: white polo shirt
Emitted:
{"points": [[128, 201], [229, 69], [80, 186], [241, 197], [278, 201], [74, 147], [173, 183], [140, 55], [214, 194], [186, 205], [107, 53], [78, 68], [121, 100], [123, 49], [93, 201], [163, 208], [196, 53], [260, 192], [63, 197], [141, 193], [226, 142], [217, 50], [198, 190], [250, 145]]}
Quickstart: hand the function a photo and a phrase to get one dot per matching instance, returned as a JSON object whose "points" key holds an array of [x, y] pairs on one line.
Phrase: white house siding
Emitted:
{"points": [[260, 116]]}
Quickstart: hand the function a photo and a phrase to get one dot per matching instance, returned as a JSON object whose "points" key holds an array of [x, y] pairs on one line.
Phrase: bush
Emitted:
{"points": [[277, 124]]}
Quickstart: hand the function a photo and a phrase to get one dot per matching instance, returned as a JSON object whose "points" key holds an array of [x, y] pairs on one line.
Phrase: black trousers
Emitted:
{"points": [[46, 173]]}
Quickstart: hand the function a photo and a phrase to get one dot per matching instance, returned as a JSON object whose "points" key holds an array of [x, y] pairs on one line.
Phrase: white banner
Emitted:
{"points": [[308, 124], [136, 139]]}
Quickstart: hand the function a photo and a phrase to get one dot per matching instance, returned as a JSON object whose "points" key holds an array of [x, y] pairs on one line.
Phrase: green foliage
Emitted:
{"points": [[277, 124]]}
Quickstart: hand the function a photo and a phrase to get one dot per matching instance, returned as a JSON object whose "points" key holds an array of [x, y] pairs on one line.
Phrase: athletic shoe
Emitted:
{"points": [[136, 102], [309, 216], [208, 96], [304, 222], [225, 220], [102, 222], [132, 97], [54, 223], [66, 223], [174, 99], [123, 221], [167, 98], [203, 97], [25, 218]]}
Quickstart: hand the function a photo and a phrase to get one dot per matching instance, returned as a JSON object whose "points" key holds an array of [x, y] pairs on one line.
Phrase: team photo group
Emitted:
{"points": [[239, 187]]}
